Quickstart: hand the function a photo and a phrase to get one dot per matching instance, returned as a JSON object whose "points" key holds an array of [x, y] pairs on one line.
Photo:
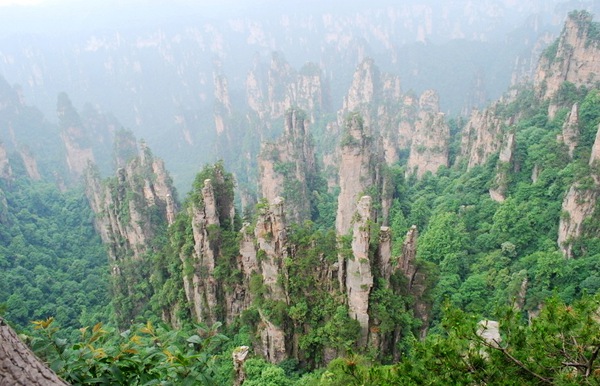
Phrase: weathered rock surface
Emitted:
{"points": [[201, 287], [239, 356], [358, 170], [570, 130], [417, 280], [503, 167], [359, 278], [124, 205], [5, 169], [575, 58], [271, 236], [578, 205], [429, 147], [288, 167], [271, 91], [480, 137]]}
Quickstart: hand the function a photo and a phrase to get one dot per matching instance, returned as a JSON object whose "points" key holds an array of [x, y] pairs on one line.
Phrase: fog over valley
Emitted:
{"points": [[299, 192]]}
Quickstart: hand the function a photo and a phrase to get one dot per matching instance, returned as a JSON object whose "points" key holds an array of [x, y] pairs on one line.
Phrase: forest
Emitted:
{"points": [[329, 251]]}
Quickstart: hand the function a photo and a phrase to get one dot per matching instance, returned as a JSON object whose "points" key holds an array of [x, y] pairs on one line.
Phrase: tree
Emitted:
{"points": [[18, 364]]}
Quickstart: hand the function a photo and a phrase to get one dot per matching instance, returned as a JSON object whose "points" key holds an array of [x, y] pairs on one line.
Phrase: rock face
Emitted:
{"points": [[201, 288], [86, 137], [570, 130], [578, 205], [574, 58], [271, 91], [30, 163], [402, 123], [359, 170], [271, 236], [407, 264], [239, 355], [480, 136], [222, 103], [504, 165], [77, 145], [429, 148], [131, 209], [5, 169], [288, 168], [359, 278], [125, 204]]}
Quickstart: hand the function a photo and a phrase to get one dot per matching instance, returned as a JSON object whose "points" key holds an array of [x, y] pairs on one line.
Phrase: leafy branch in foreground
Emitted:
{"points": [[143, 355]]}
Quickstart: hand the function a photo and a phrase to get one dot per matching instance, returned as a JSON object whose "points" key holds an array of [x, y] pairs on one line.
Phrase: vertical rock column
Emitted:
{"points": [[359, 278], [200, 284], [578, 205], [271, 235]]}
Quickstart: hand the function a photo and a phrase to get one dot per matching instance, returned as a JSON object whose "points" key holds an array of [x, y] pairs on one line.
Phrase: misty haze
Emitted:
{"points": [[299, 192]]}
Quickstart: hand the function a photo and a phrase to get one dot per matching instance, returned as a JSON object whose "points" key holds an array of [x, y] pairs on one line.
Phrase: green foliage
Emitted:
{"points": [[51, 260], [445, 236], [551, 51], [589, 118], [142, 355], [223, 184], [558, 347]]}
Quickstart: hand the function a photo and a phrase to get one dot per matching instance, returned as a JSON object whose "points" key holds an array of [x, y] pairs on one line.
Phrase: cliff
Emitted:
{"points": [[480, 136], [5, 169], [131, 210], [271, 236], [128, 206], [402, 122], [288, 168], [358, 171], [272, 90], [359, 278], [429, 147], [77, 144], [579, 206], [570, 130], [503, 168], [574, 57]]}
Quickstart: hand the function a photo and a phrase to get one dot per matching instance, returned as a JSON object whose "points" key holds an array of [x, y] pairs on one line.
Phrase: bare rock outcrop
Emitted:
{"points": [[417, 279], [378, 98], [30, 163], [272, 90], [359, 278], [574, 57], [78, 147], [201, 287], [570, 130], [271, 236], [5, 169], [125, 204], [505, 161], [578, 205], [480, 136], [288, 167], [222, 104], [239, 355], [429, 147], [358, 170]]}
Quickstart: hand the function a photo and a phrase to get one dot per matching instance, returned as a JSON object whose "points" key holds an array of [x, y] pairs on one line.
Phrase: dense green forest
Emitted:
{"points": [[176, 309], [53, 262], [477, 253]]}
